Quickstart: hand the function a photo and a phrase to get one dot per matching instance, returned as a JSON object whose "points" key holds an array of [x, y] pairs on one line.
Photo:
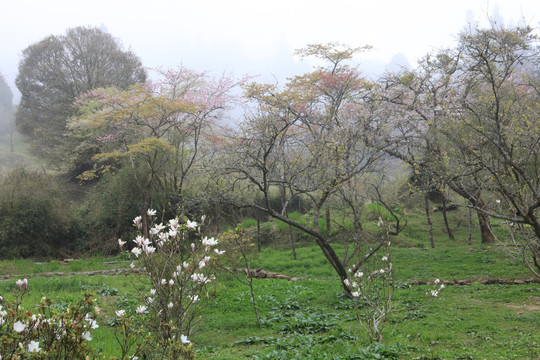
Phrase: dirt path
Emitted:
{"points": [[110, 272], [260, 273]]}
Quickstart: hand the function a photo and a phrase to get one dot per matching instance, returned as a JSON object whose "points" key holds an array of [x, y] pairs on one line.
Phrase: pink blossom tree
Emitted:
{"points": [[158, 127]]}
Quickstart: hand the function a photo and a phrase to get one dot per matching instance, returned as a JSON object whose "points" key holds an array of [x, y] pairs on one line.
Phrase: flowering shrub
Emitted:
{"points": [[177, 263], [48, 333], [372, 289]]}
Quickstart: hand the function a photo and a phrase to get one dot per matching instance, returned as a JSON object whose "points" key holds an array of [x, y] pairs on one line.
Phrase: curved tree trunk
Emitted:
{"points": [[428, 217], [445, 217]]}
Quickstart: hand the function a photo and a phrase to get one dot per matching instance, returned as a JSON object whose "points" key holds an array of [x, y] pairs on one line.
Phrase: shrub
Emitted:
{"points": [[37, 220]]}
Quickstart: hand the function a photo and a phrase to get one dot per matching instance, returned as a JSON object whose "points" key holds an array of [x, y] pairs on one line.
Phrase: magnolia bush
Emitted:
{"points": [[49, 332], [177, 263], [372, 289]]}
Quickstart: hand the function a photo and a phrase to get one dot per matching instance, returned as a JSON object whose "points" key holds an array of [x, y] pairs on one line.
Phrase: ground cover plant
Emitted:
{"points": [[312, 319]]}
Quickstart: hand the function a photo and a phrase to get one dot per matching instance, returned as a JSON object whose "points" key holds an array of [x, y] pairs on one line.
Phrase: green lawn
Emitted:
{"points": [[311, 319]]}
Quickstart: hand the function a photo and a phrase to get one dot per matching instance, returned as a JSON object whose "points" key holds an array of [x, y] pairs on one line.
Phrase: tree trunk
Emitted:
{"points": [[469, 234], [11, 141], [445, 217], [258, 233], [146, 206], [284, 207], [484, 221], [485, 228], [291, 238], [428, 217], [328, 226]]}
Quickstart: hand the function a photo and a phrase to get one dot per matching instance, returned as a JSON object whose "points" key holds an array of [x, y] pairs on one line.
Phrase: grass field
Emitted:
{"points": [[311, 319], [20, 156]]}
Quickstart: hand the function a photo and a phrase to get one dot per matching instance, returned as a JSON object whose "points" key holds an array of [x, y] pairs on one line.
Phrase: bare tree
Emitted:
{"points": [[482, 138], [309, 139]]}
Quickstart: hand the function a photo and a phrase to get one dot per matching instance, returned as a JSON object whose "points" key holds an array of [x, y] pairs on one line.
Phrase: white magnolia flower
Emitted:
{"points": [[171, 282], [33, 346], [121, 243], [150, 300], [170, 305], [151, 212], [184, 339], [201, 264], [219, 252], [19, 326], [87, 336], [132, 266], [209, 242], [347, 282], [146, 242], [199, 278], [137, 221], [136, 251], [358, 274], [22, 283], [355, 294], [191, 224], [93, 323], [139, 240], [153, 292], [381, 271], [149, 250], [157, 229], [173, 224], [437, 281], [384, 258], [120, 313], [194, 298], [163, 281], [434, 293], [141, 309]]}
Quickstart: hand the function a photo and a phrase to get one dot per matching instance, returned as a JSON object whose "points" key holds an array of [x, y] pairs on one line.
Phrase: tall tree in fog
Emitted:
{"points": [[6, 110], [57, 69], [6, 104]]}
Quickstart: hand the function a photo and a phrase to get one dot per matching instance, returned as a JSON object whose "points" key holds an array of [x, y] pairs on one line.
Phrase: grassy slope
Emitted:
{"points": [[21, 155], [310, 319]]}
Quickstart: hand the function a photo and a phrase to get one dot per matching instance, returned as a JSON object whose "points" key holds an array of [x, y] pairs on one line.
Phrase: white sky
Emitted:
{"points": [[252, 36]]}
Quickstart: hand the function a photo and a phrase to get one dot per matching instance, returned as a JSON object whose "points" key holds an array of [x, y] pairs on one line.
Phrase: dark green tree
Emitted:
{"points": [[55, 71]]}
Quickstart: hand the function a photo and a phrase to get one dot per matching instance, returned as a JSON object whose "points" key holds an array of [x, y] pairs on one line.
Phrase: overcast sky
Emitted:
{"points": [[252, 36]]}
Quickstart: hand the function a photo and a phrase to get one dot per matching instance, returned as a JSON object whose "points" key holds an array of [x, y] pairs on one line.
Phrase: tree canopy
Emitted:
{"points": [[57, 69]]}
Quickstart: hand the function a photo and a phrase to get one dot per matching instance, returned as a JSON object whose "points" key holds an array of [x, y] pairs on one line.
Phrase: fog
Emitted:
{"points": [[255, 37]]}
